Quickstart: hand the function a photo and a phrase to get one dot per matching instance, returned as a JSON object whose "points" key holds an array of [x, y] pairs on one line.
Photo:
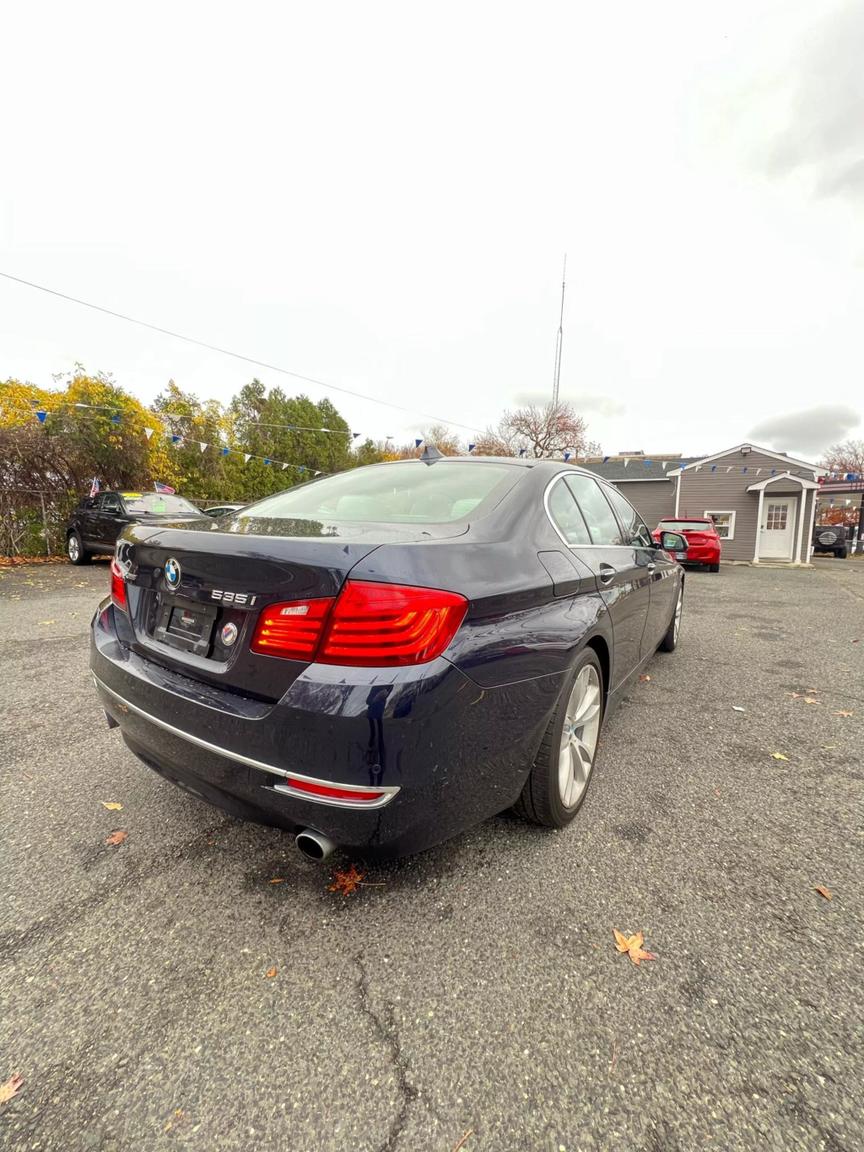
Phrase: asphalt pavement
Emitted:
{"points": [[198, 986]]}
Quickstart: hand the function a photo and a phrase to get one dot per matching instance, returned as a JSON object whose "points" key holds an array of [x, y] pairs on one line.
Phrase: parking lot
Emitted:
{"points": [[198, 986]]}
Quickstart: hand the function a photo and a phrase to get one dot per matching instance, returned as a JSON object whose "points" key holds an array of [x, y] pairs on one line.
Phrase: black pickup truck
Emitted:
{"points": [[831, 538], [98, 520]]}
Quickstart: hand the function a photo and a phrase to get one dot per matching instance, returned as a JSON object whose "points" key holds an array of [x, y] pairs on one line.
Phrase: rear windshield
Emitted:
{"points": [[155, 504], [685, 525], [408, 492]]}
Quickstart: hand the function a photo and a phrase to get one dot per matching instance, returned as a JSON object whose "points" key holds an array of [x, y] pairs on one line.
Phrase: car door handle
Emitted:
{"points": [[607, 573]]}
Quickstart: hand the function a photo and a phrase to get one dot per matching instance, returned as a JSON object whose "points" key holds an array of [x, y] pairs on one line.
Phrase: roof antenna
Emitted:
{"points": [[430, 454]]}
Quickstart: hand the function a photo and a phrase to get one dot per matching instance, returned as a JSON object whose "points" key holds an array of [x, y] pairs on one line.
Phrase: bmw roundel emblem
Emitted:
{"points": [[229, 634], [172, 573]]}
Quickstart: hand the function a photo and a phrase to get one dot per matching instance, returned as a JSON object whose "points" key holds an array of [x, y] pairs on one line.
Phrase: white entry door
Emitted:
{"points": [[777, 531]]}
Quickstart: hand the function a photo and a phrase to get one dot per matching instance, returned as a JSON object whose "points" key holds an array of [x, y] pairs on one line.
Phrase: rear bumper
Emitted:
{"points": [[447, 753], [702, 555]]}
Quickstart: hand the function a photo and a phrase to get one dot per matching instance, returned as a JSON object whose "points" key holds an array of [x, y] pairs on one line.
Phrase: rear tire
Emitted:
{"points": [[670, 641], [75, 549], [714, 567], [558, 781], [841, 553]]}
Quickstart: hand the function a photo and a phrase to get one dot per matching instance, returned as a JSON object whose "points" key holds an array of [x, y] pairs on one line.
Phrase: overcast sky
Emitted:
{"points": [[380, 196]]}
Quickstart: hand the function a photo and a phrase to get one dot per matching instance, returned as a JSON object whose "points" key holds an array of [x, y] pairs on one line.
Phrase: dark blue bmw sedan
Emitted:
{"points": [[379, 659]]}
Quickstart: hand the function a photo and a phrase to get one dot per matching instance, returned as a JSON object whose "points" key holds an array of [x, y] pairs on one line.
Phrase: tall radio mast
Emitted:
{"points": [[559, 341]]}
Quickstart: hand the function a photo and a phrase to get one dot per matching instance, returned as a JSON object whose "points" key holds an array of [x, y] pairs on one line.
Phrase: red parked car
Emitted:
{"points": [[703, 540]]}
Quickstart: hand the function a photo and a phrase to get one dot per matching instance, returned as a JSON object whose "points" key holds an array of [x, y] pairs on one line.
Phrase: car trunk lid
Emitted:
{"points": [[195, 593]]}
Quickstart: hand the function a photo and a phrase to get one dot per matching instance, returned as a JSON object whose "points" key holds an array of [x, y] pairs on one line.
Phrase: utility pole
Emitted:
{"points": [[559, 341]]}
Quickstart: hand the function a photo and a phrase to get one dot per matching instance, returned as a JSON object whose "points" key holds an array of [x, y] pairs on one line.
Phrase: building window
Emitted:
{"points": [[724, 522]]}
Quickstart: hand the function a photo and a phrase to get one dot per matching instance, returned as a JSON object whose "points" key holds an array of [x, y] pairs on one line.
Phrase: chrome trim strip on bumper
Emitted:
{"points": [[282, 789]]}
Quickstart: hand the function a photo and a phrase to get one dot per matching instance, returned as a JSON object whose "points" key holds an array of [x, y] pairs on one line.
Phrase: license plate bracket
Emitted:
{"points": [[185, 625]]}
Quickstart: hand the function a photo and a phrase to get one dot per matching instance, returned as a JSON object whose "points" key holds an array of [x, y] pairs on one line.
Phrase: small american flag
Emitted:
{"points": [[94, 487], [163, 489]]}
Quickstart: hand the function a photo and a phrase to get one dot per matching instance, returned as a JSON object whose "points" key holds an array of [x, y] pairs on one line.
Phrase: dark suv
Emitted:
{"points": [[98, 520], [832, 538]]}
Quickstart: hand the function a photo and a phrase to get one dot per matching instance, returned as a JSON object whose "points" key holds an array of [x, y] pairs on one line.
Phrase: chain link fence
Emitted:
{"points": [[33, 521]]}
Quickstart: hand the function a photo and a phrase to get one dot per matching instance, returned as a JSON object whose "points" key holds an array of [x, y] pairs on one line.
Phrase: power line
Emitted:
{"points": [[235, 355]]}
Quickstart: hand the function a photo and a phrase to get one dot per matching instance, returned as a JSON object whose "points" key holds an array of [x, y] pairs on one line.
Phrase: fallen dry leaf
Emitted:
{"points": [[810, 700], [112, 805], [738, 708], [778, 756], [842, 713], [271, 972], [824, 892], [632, 945], [277, 880], [117, 837], [10, 1088], [47, 621], [346, 882], [644, 677]]}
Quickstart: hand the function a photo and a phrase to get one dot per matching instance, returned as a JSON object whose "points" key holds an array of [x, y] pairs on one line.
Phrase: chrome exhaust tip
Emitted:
{"points": [[313, 845]]}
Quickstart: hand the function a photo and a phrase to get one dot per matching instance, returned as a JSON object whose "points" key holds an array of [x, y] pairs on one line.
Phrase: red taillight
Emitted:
{"points": [[118, 586], [292, 630], [390, 625], [368, 625]]}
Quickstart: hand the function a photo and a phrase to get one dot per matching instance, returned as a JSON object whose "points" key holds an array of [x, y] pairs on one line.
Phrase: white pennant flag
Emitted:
{"points": [[758, 470], [202, 445], [246, 456], [665, 465], [698, 468], [729, 469], [284, 466], [148, 432], [626, 461]]}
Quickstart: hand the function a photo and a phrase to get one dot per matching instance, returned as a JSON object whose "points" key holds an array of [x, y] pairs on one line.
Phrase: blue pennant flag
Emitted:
{"points": [[225, 451], [744, 469], [773, 470], [713, 467], [471, 447], [521, 451], [266, 459], [417, 442], [300, 468], [567, 456], [851, 476], [176, 439], [42, 415], [605, 458], [354, 435], [648, 463], [115, 419]]}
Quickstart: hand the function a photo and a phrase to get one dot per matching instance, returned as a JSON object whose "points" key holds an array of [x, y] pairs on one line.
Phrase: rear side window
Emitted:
{"points": [[635, 529], [565, 514], [407, 492], [595, 508]]}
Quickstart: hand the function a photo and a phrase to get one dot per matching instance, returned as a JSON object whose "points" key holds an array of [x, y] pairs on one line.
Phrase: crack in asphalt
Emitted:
{"points": [[388, 1033]]}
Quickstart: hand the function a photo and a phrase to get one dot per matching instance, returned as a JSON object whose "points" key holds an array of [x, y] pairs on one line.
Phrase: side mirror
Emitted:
{"points": [[673, 542]]}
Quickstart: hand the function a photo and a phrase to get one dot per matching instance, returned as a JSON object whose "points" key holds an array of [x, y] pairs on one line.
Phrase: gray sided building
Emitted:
{"points": [[763, 502]]}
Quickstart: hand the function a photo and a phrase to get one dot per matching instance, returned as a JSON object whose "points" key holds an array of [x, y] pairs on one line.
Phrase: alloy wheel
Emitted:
{"points": [[73, 548], [579, 736]]}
